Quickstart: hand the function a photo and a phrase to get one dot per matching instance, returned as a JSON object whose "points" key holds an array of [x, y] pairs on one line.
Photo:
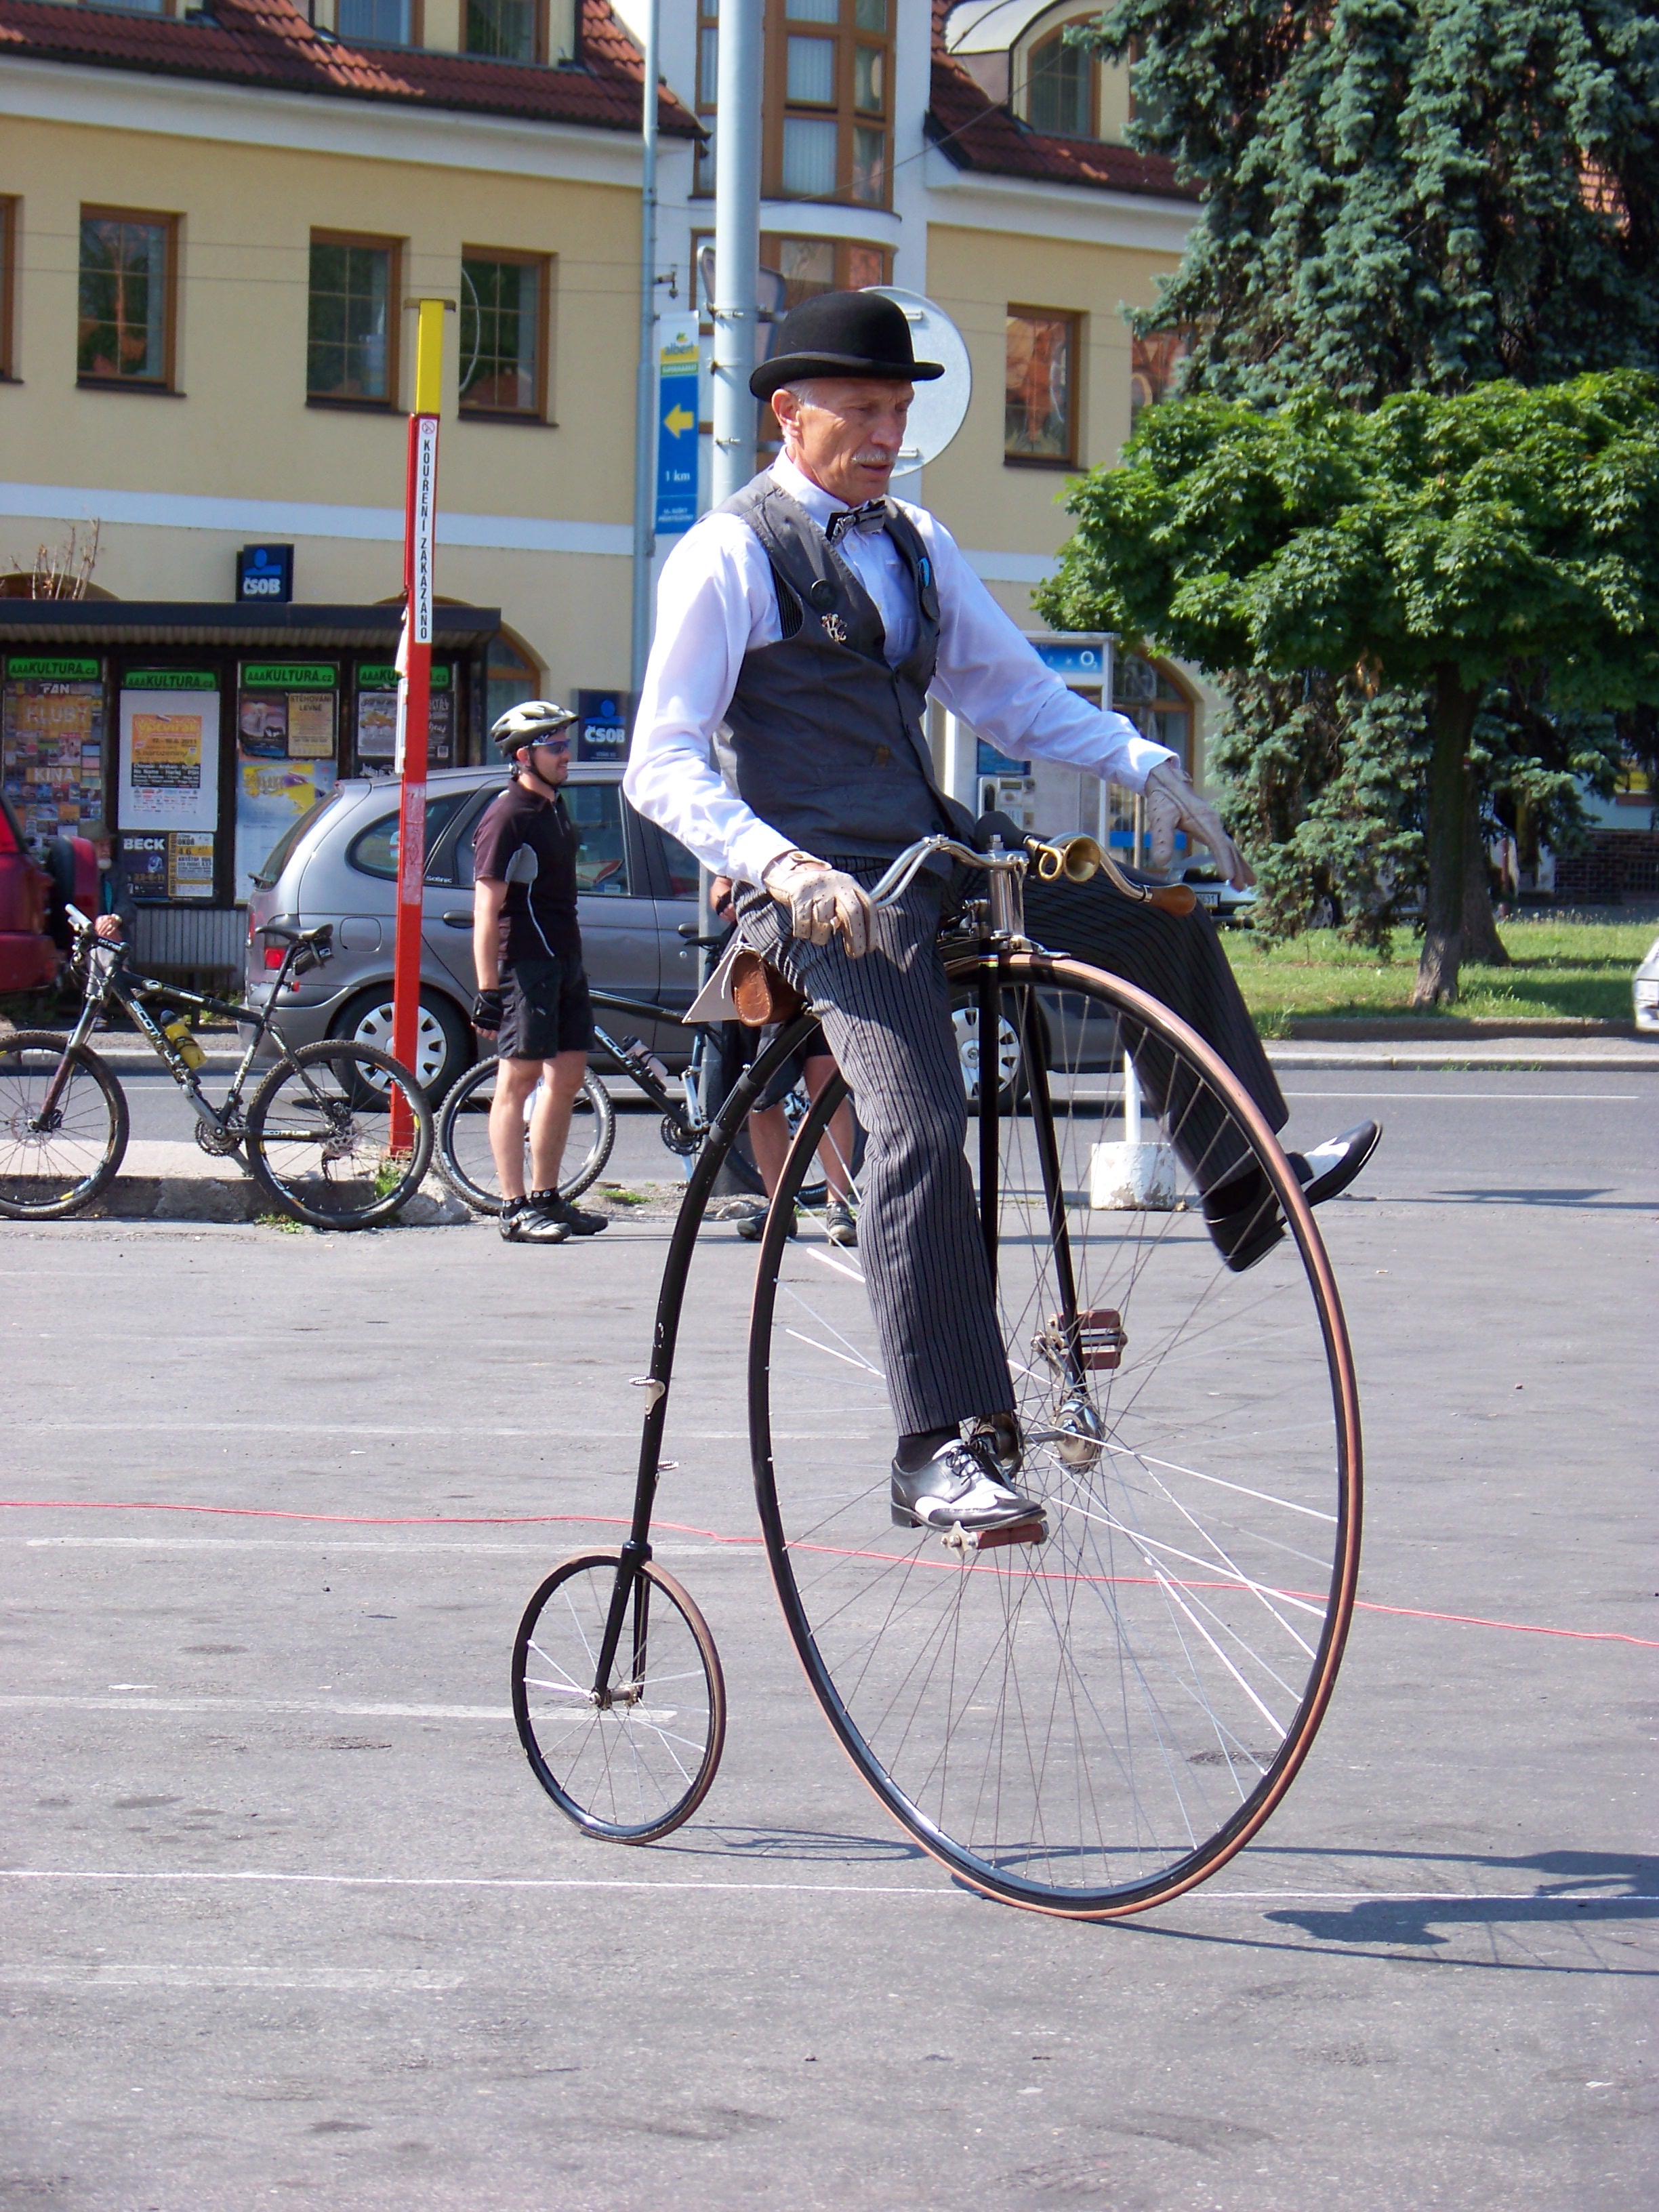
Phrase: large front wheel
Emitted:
{"points": [[1093, 1722]]}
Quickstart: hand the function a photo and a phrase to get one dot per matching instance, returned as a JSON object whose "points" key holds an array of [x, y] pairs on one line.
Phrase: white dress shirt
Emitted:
{"points": [[717, 601]]}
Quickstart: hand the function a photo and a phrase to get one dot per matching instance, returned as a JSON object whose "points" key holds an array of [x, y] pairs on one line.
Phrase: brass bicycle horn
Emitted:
{"points": [[1076, 859]]}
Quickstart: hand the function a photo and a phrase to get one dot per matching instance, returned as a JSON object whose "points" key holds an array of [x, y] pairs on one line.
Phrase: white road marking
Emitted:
{"points": [[942, 1889], [24, 1701]]}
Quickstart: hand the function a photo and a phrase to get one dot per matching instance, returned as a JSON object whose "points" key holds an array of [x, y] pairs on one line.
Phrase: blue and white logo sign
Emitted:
{"points": [[265, 571], [1083, 660]]}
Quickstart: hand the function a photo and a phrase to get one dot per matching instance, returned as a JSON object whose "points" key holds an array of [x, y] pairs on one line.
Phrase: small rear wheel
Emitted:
{"points": [[54, 1163], [319, 1136], [467, 1164], [632, 1759]]}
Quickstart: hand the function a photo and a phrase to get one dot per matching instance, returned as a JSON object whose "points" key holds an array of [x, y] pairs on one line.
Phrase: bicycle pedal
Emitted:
{"points": [[1101, 1340], [1034, 1530]]}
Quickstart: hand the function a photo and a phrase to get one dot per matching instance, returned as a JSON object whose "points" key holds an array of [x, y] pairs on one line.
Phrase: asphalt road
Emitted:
{"points": [[287, 1917]]}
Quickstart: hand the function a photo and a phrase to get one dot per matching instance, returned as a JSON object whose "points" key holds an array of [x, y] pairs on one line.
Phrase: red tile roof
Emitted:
{"points": [[270, 43], [976, 133]]}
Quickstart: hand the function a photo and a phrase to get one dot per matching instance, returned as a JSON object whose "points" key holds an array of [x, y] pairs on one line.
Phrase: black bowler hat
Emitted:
{"points": [[843, 334]]}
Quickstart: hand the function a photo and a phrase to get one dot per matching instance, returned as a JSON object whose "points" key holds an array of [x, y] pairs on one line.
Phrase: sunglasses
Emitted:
{"points": [[550, 744]]}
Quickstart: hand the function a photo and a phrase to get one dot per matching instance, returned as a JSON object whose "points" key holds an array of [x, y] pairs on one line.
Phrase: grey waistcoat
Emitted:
{"points": [[827, 740]]}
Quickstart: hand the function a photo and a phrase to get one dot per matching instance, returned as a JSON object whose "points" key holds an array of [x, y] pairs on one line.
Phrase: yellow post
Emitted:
{"points": [[429, 356]]}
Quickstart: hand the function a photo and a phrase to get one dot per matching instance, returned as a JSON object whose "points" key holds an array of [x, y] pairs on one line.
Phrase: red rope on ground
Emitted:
{"points": [[684, 1528]]}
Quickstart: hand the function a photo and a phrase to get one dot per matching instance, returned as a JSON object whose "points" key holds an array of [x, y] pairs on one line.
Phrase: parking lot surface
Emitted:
{"points": [[287, 1918]]}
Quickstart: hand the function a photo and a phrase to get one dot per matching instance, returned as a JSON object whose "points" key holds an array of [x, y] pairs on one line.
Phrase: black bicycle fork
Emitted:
{"points": [[637, 1551]]}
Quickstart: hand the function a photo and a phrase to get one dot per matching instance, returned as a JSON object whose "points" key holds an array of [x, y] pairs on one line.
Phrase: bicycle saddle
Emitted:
{"points": [[322, 935]]}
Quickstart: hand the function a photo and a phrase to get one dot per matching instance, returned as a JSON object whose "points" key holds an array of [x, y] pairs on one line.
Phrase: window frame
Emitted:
{"points": [[1072, 459], [513, 256], [167, 384], [541, 32], [11, 206], [847, 36], [1028, 55], [417, 32], [339, 402]]}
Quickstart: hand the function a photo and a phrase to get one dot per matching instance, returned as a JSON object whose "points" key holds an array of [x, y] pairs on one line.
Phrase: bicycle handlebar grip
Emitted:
{"points": [[1173, 898]]}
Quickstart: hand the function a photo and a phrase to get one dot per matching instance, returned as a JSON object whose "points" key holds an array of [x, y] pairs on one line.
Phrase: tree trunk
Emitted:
{"points": [[1481, 942], [1451, 719]]}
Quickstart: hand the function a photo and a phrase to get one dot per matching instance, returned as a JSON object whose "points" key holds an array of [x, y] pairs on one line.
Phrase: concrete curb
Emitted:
{"points": [[190, 1192]]}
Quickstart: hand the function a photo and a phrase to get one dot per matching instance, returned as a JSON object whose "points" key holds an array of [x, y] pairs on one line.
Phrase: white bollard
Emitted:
{"points": [[1132, 1177]]}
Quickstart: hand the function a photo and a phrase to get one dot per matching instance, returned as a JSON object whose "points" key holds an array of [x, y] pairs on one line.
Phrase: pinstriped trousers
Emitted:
{"points": [[887, 1020]]}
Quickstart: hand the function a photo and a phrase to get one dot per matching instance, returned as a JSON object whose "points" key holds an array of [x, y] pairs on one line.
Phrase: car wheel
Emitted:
{"points": [[965, 1020], [444, 1043]]}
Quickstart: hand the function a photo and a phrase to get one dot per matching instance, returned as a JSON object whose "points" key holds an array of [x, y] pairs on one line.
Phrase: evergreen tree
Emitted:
{"points": [[1403, 193]]}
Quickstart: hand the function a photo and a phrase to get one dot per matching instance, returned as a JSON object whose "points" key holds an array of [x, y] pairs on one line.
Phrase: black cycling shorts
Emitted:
{"points": [[547, 1009]]}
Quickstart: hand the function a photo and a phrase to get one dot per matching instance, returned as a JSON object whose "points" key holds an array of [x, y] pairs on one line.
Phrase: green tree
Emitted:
{"points": [[1449, 543], [1404, 193]]}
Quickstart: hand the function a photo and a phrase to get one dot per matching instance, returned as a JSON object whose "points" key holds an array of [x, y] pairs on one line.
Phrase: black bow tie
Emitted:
{"points": [[872, 515]]}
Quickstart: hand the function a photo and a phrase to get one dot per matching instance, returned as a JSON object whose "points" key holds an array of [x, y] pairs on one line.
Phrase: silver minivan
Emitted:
{"points": [[339, 863]]}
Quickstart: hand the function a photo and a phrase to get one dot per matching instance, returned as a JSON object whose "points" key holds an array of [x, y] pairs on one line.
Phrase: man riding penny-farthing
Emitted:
{"points": [[1078, 1665]]}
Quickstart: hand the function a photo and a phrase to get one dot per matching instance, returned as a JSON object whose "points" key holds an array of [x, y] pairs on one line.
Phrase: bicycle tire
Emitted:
{"points": [[1093, 1725], [631, 1749], [462, 1154], [92, 1130], [318, 1132]]}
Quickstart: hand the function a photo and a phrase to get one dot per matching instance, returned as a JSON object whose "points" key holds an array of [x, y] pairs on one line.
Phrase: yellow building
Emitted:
{"points": [[210, 223]]}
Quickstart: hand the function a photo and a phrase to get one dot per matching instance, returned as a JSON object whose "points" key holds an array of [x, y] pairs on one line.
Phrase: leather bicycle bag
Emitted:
{"points": [[760, 993]]}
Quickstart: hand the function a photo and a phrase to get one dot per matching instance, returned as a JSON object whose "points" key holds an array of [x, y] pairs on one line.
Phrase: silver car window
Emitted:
{"points": [[602, 857], [373, 851]]}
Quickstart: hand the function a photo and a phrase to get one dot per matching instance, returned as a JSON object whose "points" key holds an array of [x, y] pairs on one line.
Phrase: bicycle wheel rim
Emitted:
{"points": [[1092, 1725], [46, 1175], [318, 1136], [467, 1164], [635, 1771]]}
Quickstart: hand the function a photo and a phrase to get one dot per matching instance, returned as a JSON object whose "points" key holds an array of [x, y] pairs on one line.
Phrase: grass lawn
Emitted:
{"points": [[1562, 971]]}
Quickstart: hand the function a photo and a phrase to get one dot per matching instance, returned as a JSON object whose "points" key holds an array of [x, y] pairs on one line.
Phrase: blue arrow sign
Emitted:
{"points": [[677, 433]]}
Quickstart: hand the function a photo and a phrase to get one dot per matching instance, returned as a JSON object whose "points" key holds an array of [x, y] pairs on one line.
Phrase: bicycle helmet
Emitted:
{"points": [[527, 724]]}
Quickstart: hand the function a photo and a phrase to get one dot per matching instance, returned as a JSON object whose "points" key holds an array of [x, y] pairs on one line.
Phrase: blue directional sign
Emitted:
{"points": [[677, 431]]}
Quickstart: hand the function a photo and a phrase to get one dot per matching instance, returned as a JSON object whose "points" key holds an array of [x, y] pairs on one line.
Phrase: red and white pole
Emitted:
{"points": [[414, 703]]}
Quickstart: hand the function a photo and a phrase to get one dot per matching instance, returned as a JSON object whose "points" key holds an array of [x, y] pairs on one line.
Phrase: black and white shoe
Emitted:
{"points": [[959, 1488], [753, 1227], [522, 1221], [1332, 1166], [1243, 1215], [576, 1223]]}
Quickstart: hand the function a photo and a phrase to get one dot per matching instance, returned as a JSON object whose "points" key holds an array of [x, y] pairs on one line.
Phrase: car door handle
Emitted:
{"points": [[458, 918]]}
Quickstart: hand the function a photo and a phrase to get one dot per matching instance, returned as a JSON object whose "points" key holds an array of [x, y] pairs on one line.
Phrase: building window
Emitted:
{"points": [[8, 288], [511, 677], [126, 331], [378, 23], [505, 30], [1040, 402], [351, 356], [1060, 87], [503, 333], [1154, 368], [828, 102]]}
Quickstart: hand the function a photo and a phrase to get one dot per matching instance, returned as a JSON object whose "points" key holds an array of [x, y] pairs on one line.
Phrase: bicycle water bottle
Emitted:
{"points": [[642, 1061], [178, 1035]]}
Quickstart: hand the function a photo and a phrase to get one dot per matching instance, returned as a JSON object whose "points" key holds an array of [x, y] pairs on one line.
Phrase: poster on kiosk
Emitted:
{"points": [[167, 779]]}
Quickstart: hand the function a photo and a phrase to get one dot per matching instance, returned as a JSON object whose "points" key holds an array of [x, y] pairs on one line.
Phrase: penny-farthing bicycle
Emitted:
{"points": [[1085, 1725]]}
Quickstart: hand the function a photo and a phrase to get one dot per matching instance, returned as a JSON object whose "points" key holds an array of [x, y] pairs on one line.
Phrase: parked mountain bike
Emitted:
{"points": [[463, 1154], [1088, 1714], [315, 1136]]}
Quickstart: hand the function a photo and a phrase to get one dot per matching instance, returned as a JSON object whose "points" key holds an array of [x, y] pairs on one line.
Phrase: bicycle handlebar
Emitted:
{"points": [[1075, 859]]}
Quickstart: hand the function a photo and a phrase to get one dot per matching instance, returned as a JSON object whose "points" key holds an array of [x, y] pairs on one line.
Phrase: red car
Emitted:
{"points": [[28, 958]]}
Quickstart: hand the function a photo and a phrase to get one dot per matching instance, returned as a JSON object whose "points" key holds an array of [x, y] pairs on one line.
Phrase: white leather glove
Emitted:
{"points": [[1172, 805], [822, 900]]}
